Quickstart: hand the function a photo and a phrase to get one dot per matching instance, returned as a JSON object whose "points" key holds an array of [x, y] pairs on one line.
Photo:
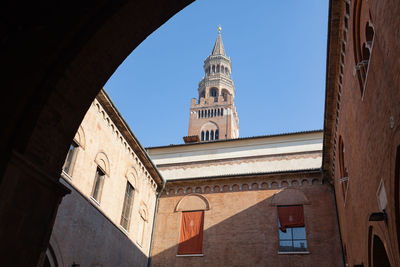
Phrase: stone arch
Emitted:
{"points": [[304, 182], [294, 183], [274, 185], [202, 94], [315, 181], [284, 184], [131, 175], [193, 202], [226, 188], [235, 188], [225, 94], [290, 196], [143, 211], [362, 40], [103, 162], [180, 191], [171, 191], [80, 137], [210, 125], [213, 92]]}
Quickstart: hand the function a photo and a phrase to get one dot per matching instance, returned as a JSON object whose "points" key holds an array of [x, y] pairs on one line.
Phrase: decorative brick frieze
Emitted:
{"points": [[210, 185]]}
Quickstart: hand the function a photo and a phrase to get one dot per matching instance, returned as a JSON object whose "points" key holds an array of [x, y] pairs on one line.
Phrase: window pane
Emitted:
{"points": [[98, 184], [299, 233], [285, 246], [127, 206], [69, 161], [287, 235], [300, 245]]}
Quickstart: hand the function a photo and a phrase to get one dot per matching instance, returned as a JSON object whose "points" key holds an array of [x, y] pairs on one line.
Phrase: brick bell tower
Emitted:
{"points": [[214, 116]]}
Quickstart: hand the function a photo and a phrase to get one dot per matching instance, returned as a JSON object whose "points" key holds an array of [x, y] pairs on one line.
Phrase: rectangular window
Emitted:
{"points": [[127, 207], [70, 160], [292, 231], [98, 184], [191, 235]]}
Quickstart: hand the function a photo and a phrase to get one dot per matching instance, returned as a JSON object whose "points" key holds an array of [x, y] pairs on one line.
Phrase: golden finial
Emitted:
{"points": [[219, 28]]}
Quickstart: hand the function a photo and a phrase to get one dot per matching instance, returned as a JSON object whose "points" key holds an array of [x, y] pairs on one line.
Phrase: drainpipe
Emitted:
{"points": [[337, 215], [154, 220]]}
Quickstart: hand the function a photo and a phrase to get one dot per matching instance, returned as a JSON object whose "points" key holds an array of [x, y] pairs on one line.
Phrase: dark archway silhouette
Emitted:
{"points": [[58, 57]]}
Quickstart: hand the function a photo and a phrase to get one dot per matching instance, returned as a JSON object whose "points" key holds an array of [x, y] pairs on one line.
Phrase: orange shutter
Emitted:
{"points": [[191, 235], [291, 216]]}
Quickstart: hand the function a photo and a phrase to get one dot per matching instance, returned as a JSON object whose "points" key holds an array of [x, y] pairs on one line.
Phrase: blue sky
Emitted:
{"points": [[278, 53]]}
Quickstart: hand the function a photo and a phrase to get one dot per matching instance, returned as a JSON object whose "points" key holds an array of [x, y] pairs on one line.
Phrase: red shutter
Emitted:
{"points": [[291, 216], [191, 236]]}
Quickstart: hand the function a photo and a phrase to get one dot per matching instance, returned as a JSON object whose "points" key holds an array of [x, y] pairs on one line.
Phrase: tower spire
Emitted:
{"points": [[213, 116], [218, 46]]}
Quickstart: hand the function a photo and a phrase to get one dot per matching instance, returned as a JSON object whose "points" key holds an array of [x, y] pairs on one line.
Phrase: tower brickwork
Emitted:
{"points": [[213, 115]]}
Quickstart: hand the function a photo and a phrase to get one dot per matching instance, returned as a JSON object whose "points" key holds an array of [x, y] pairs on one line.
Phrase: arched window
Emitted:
{"points": [[202, 114], [363, 41], [214, 93], [225, 94], [212, 135], [127, 206], [222, 112], [213, 68], [202, 135], [208, 113], [203, 94], [222, 69], [207, 135], [218, 112], [218, 68], [98, 184], [71, 158], [198, 114], [191, 231], [216, 134]]}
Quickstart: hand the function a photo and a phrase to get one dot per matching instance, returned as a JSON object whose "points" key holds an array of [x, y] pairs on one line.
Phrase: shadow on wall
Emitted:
{"points": [[84, 236], [250, 237]]}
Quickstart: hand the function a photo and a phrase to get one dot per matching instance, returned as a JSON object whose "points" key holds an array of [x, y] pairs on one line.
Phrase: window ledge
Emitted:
{"points": [[123, 229], [293, 252], [140, 245], [66, 175], [95, 201], [189, 255]]}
